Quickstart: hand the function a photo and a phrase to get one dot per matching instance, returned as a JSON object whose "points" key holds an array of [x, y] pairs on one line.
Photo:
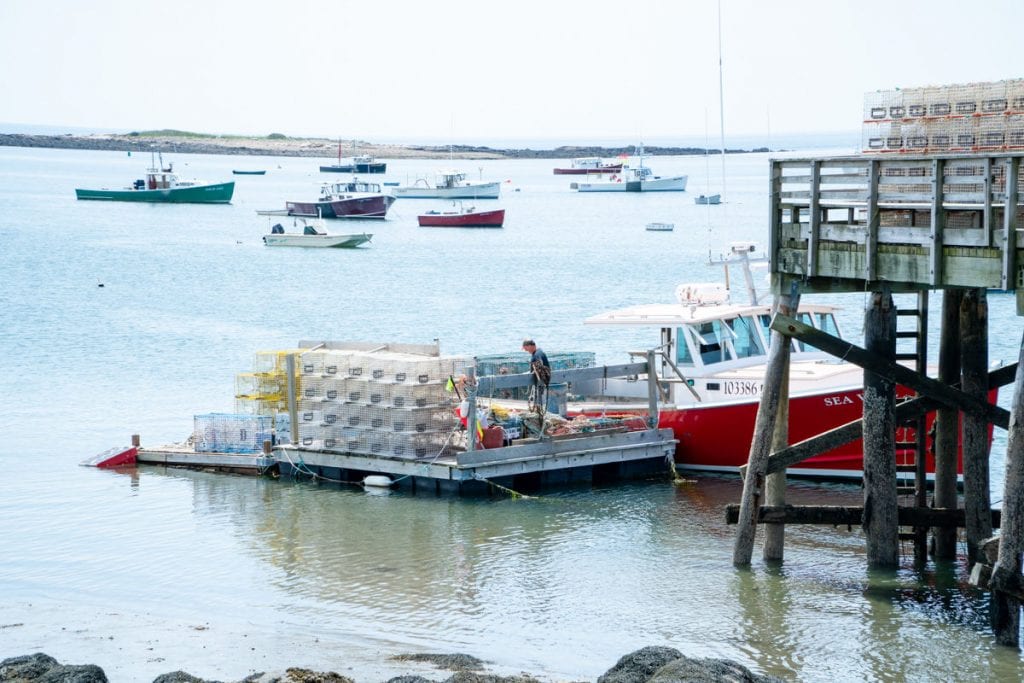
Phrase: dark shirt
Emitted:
{"points": [[539, 355]]}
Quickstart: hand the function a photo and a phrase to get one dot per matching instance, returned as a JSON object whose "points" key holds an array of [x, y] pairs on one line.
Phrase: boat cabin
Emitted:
{"points": [[332, 191], [159, 178], [716, 350]]}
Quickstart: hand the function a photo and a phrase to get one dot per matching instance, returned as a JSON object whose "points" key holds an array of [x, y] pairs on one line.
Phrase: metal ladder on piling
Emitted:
{"points": [[911, 435]]}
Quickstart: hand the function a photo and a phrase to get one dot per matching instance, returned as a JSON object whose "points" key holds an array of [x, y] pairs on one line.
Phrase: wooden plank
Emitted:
{"points": [[774, 210], [937, 222], [844, 515], [814, 219], [873, 221], [1010, 225], [547, 448], [924, 385], [986, 219]]}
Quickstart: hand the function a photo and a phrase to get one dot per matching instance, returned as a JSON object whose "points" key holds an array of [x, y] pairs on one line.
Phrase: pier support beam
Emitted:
{"points": [[775, 484], [881, 508], [1005, 612], [974, 370], [764, 430], [947, 422]]}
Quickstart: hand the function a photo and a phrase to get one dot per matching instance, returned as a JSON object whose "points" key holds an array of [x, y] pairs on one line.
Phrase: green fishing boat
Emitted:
{"points": [[163, 185]]}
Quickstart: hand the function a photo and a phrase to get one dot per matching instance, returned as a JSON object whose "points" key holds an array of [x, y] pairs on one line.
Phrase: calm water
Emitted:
{"points": [[150, 571]]}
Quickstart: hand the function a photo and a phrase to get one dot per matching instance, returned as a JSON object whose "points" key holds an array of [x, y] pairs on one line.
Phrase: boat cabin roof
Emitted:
{"points": [[673, 314]]}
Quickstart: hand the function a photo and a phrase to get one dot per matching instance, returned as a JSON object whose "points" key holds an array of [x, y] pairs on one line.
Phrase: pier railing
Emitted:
{"points": [[921, 222]]}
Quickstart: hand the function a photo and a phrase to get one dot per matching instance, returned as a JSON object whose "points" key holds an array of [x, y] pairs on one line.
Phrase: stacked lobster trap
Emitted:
{"points": [[964, 118], [377, 403]]}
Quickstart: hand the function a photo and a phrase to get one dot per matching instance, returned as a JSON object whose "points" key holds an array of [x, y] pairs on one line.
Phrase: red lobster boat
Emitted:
{"points": [[354, 199], [719, 353], [463, 218], [589, 165]]}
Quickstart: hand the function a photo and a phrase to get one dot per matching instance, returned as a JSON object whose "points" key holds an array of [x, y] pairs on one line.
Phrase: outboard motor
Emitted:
{"points": [[139, 183]]}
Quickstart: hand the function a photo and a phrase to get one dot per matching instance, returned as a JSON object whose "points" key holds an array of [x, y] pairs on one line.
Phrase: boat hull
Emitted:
{"points": [[674, 184], [216, 193], [370, 206], [321, 241], [717, 437], [469, 191], [588, 171], [371, 167], [478, 219], [249, 172]]}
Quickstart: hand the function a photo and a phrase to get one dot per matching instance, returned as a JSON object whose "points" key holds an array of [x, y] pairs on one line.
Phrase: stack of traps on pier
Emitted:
{"points": [[379, 403], [972, 117]]}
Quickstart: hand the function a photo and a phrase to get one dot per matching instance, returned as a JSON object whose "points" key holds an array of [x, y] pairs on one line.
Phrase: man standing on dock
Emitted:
{"points": [[541, 369]]}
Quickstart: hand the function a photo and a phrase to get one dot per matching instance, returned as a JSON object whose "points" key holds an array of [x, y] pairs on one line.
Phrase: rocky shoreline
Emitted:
{"points": [[647, 665], [280, 145]]}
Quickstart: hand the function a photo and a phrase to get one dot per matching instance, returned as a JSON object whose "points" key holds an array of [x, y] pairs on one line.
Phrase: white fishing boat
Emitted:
{"points": [[312, 234], [661, 227], [634, 178], [449, 185]]}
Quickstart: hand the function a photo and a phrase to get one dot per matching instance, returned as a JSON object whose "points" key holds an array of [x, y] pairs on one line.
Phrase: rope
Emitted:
{"points": [[515, 495]]}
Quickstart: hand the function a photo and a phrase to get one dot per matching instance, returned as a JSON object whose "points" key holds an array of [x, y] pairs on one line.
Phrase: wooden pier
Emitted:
{"points": [[886, 224]]}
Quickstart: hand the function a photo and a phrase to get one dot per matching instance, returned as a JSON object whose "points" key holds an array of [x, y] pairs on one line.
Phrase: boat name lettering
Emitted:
{"points": [[742, 388], [842, 400]]}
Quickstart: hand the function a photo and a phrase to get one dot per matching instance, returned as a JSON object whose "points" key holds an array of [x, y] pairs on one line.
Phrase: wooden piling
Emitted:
{"points": [[947, 422], [974, 371], [881, 513], [764, 430], [775, 483], [136, 441], [1005, 612]]}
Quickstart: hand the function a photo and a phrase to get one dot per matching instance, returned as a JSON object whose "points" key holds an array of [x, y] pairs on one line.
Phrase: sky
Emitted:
{"points": [[589, 72]]}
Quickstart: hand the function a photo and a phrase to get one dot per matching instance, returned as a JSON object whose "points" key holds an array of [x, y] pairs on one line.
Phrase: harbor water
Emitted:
{"points": [[121, 318]]}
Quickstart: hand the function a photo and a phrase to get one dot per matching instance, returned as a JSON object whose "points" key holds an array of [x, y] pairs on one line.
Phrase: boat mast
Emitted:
{"points": [[721, 99]]}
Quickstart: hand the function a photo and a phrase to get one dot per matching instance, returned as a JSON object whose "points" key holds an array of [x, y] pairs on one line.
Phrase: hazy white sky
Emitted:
{"points": [[394, 70]]}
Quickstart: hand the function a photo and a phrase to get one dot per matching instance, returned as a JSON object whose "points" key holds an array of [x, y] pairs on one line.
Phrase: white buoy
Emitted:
{"points": [[378, 480]]}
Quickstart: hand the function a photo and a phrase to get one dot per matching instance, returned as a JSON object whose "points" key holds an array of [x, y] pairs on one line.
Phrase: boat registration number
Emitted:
{"points": [[734, 387]]}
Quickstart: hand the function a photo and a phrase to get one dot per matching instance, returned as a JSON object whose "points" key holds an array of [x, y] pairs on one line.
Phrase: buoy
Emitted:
{"points": [[378, 480]]}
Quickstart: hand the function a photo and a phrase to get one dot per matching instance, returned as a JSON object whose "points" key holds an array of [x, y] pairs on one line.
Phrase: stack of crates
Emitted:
{"points": [[967, 118], [377, 403], [264, 391], [231, 433], [518, 363]]}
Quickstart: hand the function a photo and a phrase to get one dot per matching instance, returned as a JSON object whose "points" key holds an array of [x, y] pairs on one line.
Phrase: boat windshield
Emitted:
{"points": [[745, 339]]}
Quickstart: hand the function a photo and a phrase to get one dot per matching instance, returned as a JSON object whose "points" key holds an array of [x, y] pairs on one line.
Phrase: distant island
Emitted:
{"points": [[277, 144]]}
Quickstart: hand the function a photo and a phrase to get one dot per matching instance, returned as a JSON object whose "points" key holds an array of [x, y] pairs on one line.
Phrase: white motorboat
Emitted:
{"points": [[313, 236], [634, 178], [449, 185]]}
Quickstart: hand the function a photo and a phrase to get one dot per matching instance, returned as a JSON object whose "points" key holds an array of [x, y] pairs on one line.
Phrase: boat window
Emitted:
{"points": [[745, 339], [710, 342], [683, 356], [765, 321]]}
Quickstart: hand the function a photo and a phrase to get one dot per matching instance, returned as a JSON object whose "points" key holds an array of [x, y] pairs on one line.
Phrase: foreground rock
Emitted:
{"points": [[647, 665]]}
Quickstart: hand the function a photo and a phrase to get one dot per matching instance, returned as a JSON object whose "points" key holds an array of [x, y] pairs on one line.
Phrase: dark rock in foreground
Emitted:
{"points": [[647, 665]]}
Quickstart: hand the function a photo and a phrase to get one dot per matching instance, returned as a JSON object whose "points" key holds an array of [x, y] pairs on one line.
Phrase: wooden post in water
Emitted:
{"points": [[881, 508], [293, 404], [775, 485], [947, 423], [1005, 611], [974, 371], [136, 440], [764, 430]]}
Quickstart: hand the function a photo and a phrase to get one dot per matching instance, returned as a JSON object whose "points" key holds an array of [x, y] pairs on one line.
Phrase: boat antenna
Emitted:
{"points": [[721, 99]]}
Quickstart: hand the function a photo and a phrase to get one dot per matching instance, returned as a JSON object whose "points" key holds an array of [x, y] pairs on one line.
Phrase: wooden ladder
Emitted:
{"points": [[911, 436]]}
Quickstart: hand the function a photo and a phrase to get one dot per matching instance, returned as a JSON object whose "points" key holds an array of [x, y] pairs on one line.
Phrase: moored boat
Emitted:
{"points": [[359, 163], [589, 165], [661, 227], [163, 185], [241, 172], [713, 370], [634, 178], [708, 199], [313, 235], [353, 199], [450, 185], [463, 218]]}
